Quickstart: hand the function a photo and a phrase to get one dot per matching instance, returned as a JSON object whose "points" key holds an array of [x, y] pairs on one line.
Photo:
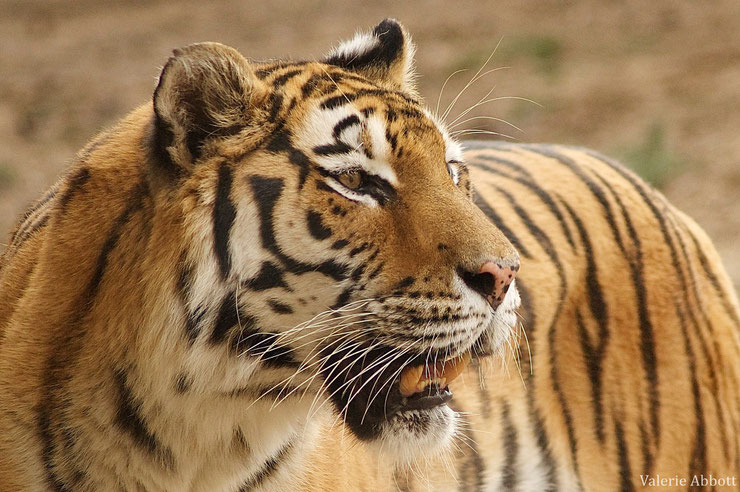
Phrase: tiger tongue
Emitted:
{"points": [[416, 379]]}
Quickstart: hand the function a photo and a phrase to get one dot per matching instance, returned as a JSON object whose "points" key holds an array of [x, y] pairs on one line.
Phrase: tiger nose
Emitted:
{"points": [[492, 281]]}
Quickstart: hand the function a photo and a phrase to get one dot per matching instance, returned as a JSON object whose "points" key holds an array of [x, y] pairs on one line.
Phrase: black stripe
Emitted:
{"points": [[344, 124], [332, 149], [266, 192], [594, 356], [343, 298], [337, 101], [182, 383], [341, 243], [698, 462], [647, 455], [275, 104], [543, 195], [268, 469], [74, 183], [392, 139], [406, 282], [359, 249], [228, 317], [310, 85], [316, 226], [281, 141], [192, 318], [625, 474], [269, 277], [348, 97], [279, 307], [250, 341], [135, 203], [540, 435], [20, 233], [224, 214], [193, 322], [376, 272], [268, 70], [555, 371], [130, 420], [712, 276], [540, 235], [282, 79], [499, 161], [499, 223], [19, 240], [509, 478]]}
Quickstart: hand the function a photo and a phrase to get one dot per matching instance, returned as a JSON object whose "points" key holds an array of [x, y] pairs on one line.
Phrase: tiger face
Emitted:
{"points": [[330, 223]]}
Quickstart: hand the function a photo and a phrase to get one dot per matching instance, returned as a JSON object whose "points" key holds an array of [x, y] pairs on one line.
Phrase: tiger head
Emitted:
{"points": [[332, 252]]}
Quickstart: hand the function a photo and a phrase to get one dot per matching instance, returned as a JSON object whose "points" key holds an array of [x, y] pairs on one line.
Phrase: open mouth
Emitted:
{"points": [[370, 386], [427, 385]]}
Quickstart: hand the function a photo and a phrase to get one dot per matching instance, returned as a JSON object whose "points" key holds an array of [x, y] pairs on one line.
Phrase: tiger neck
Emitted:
{"points": [[206, 441]]}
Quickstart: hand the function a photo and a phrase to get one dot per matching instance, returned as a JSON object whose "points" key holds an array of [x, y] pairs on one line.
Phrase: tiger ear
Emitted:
{"points": [[385, 55], [206, 91]]}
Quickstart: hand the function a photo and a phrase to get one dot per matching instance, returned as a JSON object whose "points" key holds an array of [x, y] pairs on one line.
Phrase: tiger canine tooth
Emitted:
{"points": [[452, 368], [416, 379], [410, 379]]}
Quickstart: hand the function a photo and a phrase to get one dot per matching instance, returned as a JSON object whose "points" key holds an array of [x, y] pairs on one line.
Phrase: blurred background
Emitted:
{"points": [[655, 84]]}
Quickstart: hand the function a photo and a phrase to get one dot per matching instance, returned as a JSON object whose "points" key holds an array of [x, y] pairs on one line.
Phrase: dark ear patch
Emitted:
{"points": [[383, 47], [384, 55], [206, 91]]}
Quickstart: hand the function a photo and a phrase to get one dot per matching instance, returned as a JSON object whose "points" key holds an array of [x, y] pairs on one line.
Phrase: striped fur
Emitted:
{"points": [[204, 303]]}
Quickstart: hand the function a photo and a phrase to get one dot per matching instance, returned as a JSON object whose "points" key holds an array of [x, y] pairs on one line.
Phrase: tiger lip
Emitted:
{"points": [[415, 379]]}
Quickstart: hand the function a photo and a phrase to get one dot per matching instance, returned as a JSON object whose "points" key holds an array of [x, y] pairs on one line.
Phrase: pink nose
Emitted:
{"points": [[492, 280], [499, 279]]}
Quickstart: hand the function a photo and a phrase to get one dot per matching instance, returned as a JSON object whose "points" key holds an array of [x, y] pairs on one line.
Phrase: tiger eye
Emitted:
{"points": [[351, 180]]}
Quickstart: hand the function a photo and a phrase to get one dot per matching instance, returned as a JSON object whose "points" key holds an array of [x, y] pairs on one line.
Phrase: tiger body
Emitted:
{"points": [[616, 385], [208, 302]]}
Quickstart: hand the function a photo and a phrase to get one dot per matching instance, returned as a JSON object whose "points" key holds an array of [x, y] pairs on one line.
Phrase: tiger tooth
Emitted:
{"points": [[416, 379], [410, 380]]}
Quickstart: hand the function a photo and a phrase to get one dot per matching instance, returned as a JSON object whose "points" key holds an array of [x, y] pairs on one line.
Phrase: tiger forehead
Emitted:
{"points": [[346, 120], [331, 87]]}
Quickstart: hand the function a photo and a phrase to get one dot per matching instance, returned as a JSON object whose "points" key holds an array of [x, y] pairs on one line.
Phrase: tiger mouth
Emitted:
{"points": [[426, 385], [372, 386]]}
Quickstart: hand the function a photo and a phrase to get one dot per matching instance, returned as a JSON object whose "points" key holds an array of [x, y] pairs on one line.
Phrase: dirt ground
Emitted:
{"points": [[656, 84]]}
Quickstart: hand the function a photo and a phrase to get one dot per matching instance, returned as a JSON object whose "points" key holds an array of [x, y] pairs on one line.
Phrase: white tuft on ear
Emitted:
{"points": [[384, 55]]}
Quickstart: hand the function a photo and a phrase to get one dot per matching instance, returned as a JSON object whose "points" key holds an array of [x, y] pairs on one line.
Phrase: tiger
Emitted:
{"points": [[287, 275]]}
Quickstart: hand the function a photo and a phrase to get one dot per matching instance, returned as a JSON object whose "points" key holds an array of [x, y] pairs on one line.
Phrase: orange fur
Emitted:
{"points": [[113, 289]]}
